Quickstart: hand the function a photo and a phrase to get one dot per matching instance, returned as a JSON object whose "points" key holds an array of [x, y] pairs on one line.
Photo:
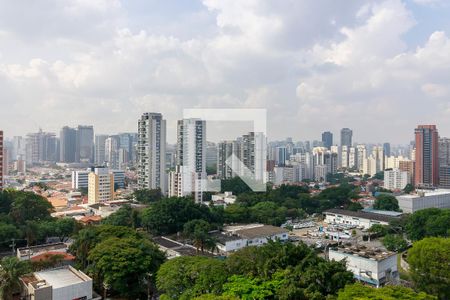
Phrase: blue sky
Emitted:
{"points": [[379, 67]]}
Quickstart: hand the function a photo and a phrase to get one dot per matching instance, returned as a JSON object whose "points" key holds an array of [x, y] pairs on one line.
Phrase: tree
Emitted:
{"points": [[28, 206], [379, 175], [409, 188], [124, 216], [429, 261], [268, 213], [124, 263], [355, 206], [428, 222], [362, 292], [147, 195], [235, 185], [8, 232], [386, 202], [395, 242], [198, 232], [169, 215], [186, 277], [252, 288], [11, 269], [379, 230]]}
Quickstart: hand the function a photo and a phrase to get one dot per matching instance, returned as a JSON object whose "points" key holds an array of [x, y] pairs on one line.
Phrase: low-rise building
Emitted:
{"points": [[223, 199], [422, 199], [360, 219], [27, 253], [57, 284], [237, 237], [372, 266]]}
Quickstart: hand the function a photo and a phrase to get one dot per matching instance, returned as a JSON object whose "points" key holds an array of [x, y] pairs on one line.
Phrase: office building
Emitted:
{"points": [[1, 160], [80, 179], [112, 147], [422, 199], [99, 152], [253, 155], [327, 139], [281, 156], [407, 166], [100, 185], [151, 152], [444, 177], [190, 160], [42, 147], [444, 152], [427, 156], [394, 179], [119, 179], [387, 149], [68, 143], [85, 144], [346, 137]]}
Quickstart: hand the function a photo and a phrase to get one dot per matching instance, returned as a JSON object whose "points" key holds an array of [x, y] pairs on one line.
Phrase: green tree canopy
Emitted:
{"points": [[198, 232], [428, 222], [125, 264], [395, 242], [124, 216], [429, 261], [169, 215], [386, 202], [358, 291], [27, 206], [147, 195], [186, 277], [10, 270]]}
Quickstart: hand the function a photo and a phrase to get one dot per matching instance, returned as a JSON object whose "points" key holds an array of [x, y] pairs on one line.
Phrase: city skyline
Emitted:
{"points": [[369, 66]]}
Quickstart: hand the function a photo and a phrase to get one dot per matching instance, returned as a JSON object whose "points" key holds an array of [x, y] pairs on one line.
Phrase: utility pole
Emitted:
{"points": [[13, 245]]}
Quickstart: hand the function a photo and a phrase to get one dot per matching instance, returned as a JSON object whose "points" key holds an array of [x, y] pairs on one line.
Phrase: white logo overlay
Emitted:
{"points": [[252, 168]]}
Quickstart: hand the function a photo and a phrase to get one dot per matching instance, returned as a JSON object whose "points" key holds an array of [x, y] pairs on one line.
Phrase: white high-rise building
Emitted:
{"points": [[151, 151], [112, 145], [190, 174], [394, 179], [228, 150], [99, 149], [361, 155]]}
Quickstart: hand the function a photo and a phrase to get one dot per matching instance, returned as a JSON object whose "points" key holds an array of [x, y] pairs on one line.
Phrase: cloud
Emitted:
{"points": [[315, 65]]}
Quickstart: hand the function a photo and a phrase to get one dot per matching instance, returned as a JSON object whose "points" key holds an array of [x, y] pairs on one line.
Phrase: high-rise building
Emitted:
{"points": [[346, 137], [427, 156], [1, 159], [100, 185], [85, 144], [42, 147], [228, 150], [151, 152], [68, 143], [253, 155], [112, 147], [387, 149], [99, 152], [395, 179], [281, 156], [444, 152], [327, 139], [190, 160]]}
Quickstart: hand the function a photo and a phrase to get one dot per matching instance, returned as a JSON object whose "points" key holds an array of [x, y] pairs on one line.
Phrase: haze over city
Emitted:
{"points": [[379, 67]]}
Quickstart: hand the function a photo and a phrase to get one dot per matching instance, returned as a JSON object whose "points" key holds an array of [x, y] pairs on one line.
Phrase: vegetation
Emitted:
{"points": [[124, 216], [429, 263], [427, 223], [272, 271], [358, 291], [395, 242], [198, 232], [147, 196], [386, 202], [10, 270]]}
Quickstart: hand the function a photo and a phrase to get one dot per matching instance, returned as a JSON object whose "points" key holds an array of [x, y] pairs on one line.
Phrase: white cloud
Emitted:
{"points": [[315, 65]]}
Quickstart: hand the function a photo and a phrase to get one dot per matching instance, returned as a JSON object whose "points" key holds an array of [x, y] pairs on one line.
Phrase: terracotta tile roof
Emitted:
{"points": [[47, 255]]}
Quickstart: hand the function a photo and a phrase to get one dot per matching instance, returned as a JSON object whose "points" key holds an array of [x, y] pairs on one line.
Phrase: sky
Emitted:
{"points": [[378, 67]]}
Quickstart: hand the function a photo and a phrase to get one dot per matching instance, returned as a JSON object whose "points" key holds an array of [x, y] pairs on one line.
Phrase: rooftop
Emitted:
{"points": [[426, 193], [383, 212], [261, 231], [61, 277], [360, 214], [362, 251]]}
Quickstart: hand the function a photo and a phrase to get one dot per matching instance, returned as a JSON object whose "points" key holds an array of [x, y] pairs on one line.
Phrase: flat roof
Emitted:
{"points": [[261, 231], [60, 277], [383, 212], [375, 254], [360, 214], [427, 193]]}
